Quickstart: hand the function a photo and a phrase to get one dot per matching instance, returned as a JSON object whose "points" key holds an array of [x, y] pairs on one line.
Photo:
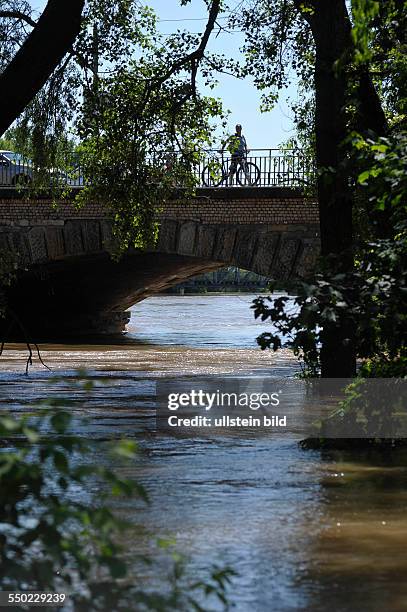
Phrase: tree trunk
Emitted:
{"points": [[38, 57], [330, 27], [371, 114]]}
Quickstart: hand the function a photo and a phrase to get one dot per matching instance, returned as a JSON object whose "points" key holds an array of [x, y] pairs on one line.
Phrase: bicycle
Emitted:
{"points": [[218, 171]]}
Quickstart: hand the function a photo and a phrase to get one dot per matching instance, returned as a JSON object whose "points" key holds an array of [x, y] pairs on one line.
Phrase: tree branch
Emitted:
{"points": [[28, 342], [193, 59], [19, 15], [196, 56], [41, 52], [371, 114]]}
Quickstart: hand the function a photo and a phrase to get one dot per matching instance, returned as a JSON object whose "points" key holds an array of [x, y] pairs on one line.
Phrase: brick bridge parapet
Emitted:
{"points": [[277, 206]]}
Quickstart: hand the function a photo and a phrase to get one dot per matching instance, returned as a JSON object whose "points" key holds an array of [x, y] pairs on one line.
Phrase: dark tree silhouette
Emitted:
{"points": [[41, 52], [331, 29]]}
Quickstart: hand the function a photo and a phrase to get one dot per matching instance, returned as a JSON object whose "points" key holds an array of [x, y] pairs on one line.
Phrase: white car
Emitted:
{"points": [[14, 170]]}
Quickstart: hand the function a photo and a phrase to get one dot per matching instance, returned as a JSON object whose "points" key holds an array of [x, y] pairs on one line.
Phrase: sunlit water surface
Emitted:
{"points": [[304, 531]]}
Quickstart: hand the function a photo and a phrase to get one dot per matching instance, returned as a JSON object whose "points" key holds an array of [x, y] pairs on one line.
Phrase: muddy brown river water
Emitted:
{"points": [[305, 530]]}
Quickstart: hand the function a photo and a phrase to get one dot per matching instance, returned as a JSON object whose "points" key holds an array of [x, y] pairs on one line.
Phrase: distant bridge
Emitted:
{"points": [[68, 285], [224, 280]]}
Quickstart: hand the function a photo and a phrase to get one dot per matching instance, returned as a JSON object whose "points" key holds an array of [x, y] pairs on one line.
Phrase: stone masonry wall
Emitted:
{"points": [[272, 211], [276, 211], [45, 212]]}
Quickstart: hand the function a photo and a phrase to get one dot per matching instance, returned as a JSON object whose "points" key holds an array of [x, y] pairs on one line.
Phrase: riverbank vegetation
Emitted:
{"points": [[350, 63], [61, 528]]}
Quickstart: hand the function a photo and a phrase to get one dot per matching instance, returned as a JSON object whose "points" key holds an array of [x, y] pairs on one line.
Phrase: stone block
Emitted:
{"points": [[37, 245], [245, 245], [206, 240], [283, 265], [73, 238], [106, 233], [19, 245], [4, 244], [54, 237], [167, 238], [186, 238], [91, 236], [225, 243], [307, 259], [265, 253]]}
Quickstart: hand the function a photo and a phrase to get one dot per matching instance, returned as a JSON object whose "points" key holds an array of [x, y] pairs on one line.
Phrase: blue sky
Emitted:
{"points": [[262, 130]]}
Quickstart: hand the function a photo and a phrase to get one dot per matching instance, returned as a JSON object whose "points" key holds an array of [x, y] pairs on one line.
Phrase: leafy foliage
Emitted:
{"points": [[55, 537], [372, 414], [368, 301], [380, 43], [141, 136], [13, 31], [48, 537], [121, 104], [372, 299], [279, 52]]}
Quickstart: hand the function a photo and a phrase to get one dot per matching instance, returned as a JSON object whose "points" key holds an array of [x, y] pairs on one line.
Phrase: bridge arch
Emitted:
{"points": [[69, 285]]}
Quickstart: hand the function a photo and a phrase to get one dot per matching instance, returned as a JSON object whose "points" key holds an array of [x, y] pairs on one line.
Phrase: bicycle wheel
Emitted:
{"points": [[212, 176], [248, 174]]}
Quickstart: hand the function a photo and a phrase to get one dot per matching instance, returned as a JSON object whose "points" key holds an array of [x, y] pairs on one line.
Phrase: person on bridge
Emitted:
{"points": [[237, 147]]}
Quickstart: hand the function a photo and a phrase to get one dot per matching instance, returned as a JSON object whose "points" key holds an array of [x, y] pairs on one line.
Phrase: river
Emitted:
{"points": [[305, 530]]}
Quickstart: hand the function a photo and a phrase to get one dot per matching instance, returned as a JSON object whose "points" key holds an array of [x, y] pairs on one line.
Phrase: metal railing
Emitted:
{"points": [[261, 168]]}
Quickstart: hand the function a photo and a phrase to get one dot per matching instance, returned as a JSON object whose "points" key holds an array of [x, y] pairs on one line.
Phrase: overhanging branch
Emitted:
{"points": [[42, 51], [18, 15], [193, 59]]}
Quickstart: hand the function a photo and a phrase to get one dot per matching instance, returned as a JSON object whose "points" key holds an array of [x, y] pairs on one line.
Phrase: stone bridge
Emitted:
{"points": [[68, 285]]}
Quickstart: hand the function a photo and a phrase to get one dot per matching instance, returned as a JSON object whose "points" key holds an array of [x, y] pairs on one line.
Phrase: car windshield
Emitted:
{"points": [[14, 157]]}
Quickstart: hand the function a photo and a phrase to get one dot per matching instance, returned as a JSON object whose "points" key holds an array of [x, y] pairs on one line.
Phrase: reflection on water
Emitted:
{"points": [[305, 530]]}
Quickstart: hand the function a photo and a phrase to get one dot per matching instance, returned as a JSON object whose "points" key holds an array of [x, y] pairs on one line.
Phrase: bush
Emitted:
{"points": [[55, 537]]}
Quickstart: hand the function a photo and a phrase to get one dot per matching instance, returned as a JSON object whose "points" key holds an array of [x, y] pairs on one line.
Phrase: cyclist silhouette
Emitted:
{"points": [[237, 147], [216, 172]]}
